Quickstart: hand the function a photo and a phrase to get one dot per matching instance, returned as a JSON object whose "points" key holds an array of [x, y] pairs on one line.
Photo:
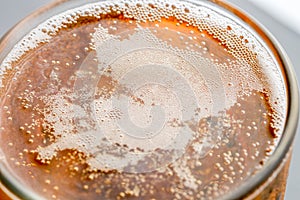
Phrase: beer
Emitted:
{"points": [[140, 100]]}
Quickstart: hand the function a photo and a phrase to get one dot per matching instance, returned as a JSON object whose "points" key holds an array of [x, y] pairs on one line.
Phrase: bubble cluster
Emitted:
{"points": [[140, 99]]}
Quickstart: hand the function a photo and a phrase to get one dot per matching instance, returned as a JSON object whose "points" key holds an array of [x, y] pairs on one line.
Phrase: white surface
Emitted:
{"points": [[12, 11], [285, 11]]}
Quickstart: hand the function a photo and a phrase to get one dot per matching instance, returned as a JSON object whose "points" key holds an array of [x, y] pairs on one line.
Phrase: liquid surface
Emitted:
{"points": [[151, 100]]}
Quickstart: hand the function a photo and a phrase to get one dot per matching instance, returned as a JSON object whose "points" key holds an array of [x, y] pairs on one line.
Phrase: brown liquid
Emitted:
{"points": [[49, 71]]}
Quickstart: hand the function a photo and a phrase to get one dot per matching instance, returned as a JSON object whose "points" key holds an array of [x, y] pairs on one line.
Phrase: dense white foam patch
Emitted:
{"points": [[140, 63], [158, 90]]}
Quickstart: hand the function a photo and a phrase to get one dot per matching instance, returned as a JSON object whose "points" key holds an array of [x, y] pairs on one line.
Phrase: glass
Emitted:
{"points": [[208, 87]]}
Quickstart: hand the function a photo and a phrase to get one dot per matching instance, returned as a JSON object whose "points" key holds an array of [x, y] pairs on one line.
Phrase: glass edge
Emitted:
{"points": [[275, 161]]}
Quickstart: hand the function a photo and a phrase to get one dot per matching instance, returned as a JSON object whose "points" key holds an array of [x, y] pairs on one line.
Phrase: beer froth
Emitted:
{"points": [[138, 99]]}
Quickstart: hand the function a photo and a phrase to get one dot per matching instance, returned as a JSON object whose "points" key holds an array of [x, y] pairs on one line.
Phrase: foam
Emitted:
{"points": [[202, 17], [145, 65]]}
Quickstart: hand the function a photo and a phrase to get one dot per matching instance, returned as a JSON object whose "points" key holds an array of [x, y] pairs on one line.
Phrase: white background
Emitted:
{"points": [[285, 11]]}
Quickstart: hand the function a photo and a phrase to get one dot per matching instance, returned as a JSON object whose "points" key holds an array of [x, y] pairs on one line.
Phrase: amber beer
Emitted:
{"points": [[144, 99]]}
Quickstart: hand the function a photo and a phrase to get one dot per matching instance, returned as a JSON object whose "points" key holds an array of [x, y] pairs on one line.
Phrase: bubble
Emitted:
{"points": [[155, 91]]}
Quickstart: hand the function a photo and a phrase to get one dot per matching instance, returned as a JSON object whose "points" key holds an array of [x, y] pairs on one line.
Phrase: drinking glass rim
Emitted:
{"points": [[274, 163]]}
